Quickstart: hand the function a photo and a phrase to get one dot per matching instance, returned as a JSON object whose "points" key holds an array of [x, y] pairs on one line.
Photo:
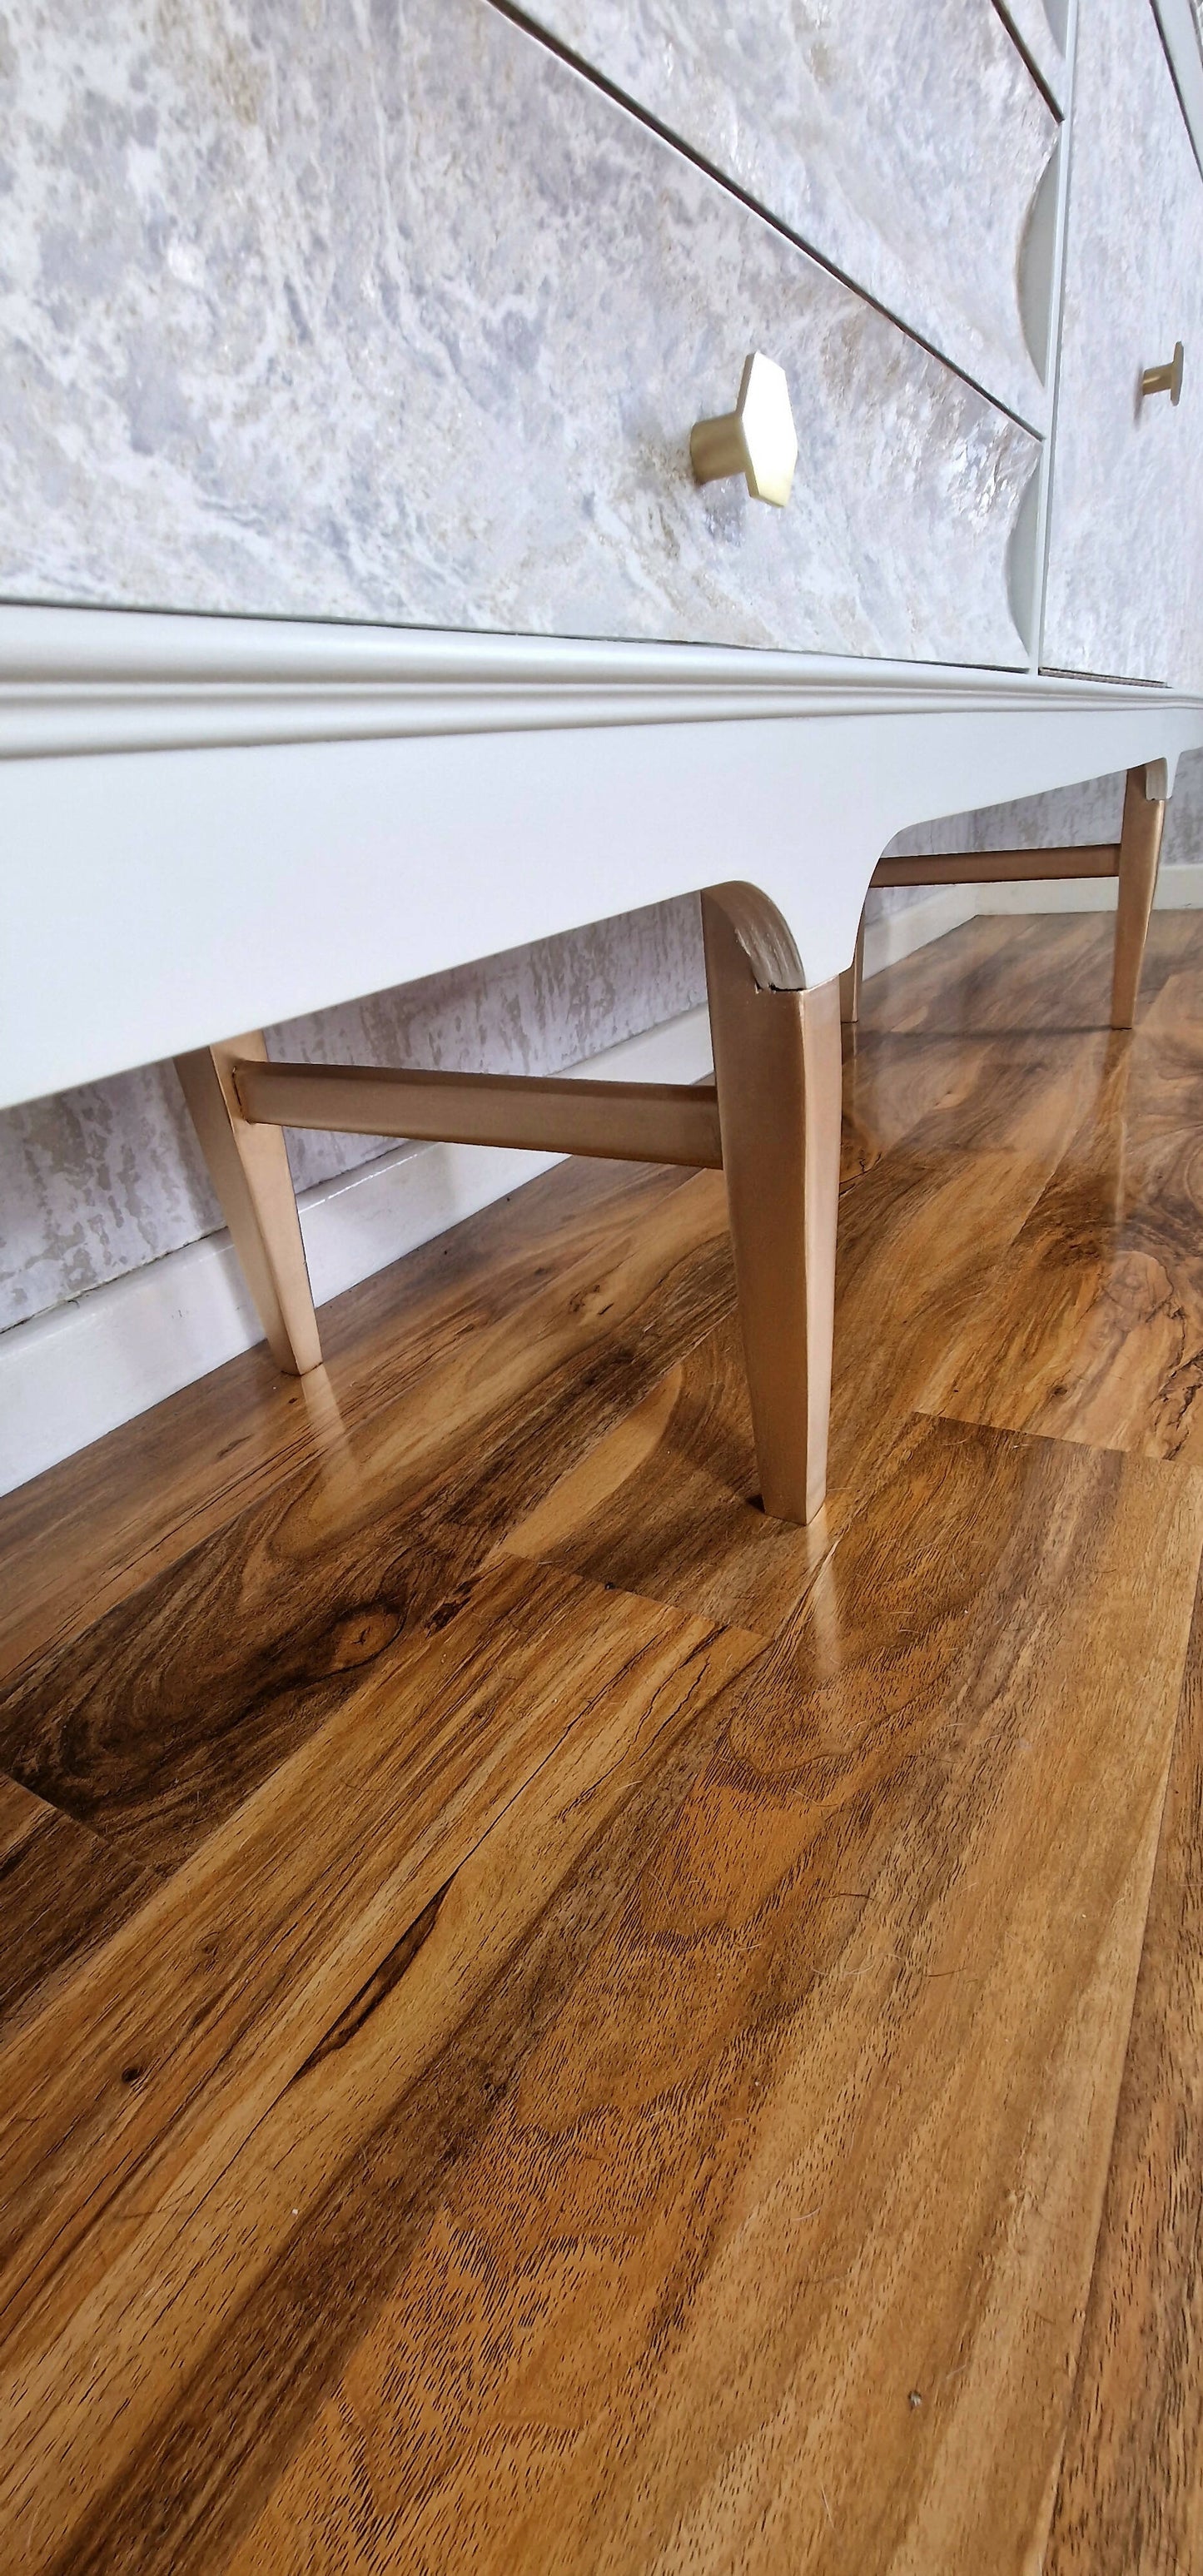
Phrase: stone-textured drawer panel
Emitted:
{"points": [[904, 144], [1040, 27], [1126, 543], [395, 316]]}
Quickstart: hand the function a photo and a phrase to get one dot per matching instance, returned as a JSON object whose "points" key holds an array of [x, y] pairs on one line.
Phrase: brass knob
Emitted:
{"points": [[757, 439], [1165, 380]]}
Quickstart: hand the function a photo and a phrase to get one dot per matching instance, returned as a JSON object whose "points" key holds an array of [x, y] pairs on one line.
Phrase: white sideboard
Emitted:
{"points": [[364, 615]]}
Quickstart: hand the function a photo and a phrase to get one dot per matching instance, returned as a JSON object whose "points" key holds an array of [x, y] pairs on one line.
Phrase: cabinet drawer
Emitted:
{"points": [[905, 145], [1040, 27], [1126, 531], [418, 335]]}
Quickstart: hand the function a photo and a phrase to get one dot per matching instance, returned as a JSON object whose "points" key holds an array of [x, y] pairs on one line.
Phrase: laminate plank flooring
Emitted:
{"points": [[62, 1891], [807, 2166], [437, 1341], [1092, 1325], [554, 2023], [173, 1705], [1130, 2493], [668, 1504], [284, 1970], [1044, 972]]}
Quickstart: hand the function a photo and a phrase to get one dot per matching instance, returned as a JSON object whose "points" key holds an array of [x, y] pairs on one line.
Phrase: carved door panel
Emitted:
{"points": [[1125, 574]]}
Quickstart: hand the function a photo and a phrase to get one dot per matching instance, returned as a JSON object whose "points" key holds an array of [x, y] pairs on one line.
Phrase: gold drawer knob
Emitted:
{"points": [[1165, 380], [757, 439]]}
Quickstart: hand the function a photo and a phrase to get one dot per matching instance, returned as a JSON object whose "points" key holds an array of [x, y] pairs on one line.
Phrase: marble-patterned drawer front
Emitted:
{"points": [[393, 315], [1040, 27], [905, 145], [1126, 544]]}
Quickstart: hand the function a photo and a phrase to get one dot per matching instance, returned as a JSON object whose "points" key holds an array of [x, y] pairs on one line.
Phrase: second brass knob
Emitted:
{"points": [[1165, 380], [757, 439]]}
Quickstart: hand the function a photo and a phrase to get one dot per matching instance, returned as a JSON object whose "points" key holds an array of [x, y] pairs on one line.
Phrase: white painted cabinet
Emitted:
{"points": [[1125, 569]]}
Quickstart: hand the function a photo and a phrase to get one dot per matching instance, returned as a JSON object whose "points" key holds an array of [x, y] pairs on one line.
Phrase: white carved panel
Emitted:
{"points": [[1126, 544], [393, 316]]}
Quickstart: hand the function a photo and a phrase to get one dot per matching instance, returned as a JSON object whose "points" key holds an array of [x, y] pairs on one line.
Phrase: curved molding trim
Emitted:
{"points": [[86, 680]]}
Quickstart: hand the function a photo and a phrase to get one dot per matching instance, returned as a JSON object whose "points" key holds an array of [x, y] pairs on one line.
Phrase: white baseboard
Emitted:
{"points": [[68, 1377], [1179, 889], [898, 934]]}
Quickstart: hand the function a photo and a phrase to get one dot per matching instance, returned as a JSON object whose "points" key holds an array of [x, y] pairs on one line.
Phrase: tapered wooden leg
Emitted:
{"points": [[852, 979], [249, 1170], [1139, 853], [778, 1073]]}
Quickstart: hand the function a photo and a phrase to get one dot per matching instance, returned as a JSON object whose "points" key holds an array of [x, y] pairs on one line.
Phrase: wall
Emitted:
{"points": [[1090, 812], [104, 1179]]}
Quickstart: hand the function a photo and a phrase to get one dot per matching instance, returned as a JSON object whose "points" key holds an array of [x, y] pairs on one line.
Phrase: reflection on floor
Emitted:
{"points": [[553, 2024]]}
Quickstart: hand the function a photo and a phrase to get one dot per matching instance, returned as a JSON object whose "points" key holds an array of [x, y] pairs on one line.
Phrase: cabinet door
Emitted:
{"points": [[421, 340], [903, 144], [1126, 532]]}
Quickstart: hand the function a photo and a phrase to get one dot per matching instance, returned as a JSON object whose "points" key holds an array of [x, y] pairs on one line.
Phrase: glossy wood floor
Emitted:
{"points": [[552, 2024]]}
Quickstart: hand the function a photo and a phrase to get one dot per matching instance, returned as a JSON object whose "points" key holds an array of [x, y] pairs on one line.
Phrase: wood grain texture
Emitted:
{"points": [[957, 1092], [211, 2332], [1178, 999], [640, 1122], [188, 1693], [1091, 1326], [94, 1529], [557, 2024], [91, 1531], [1048, 972], [1130, 2494], [179, 2035], [668, 1503], [62, 1891], [806, 2172]]}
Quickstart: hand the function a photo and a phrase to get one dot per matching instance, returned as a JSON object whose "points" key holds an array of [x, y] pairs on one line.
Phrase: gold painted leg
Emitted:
{"points": [[852, 979], [1139, 853], [249, 1170], [778, 1071]]}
